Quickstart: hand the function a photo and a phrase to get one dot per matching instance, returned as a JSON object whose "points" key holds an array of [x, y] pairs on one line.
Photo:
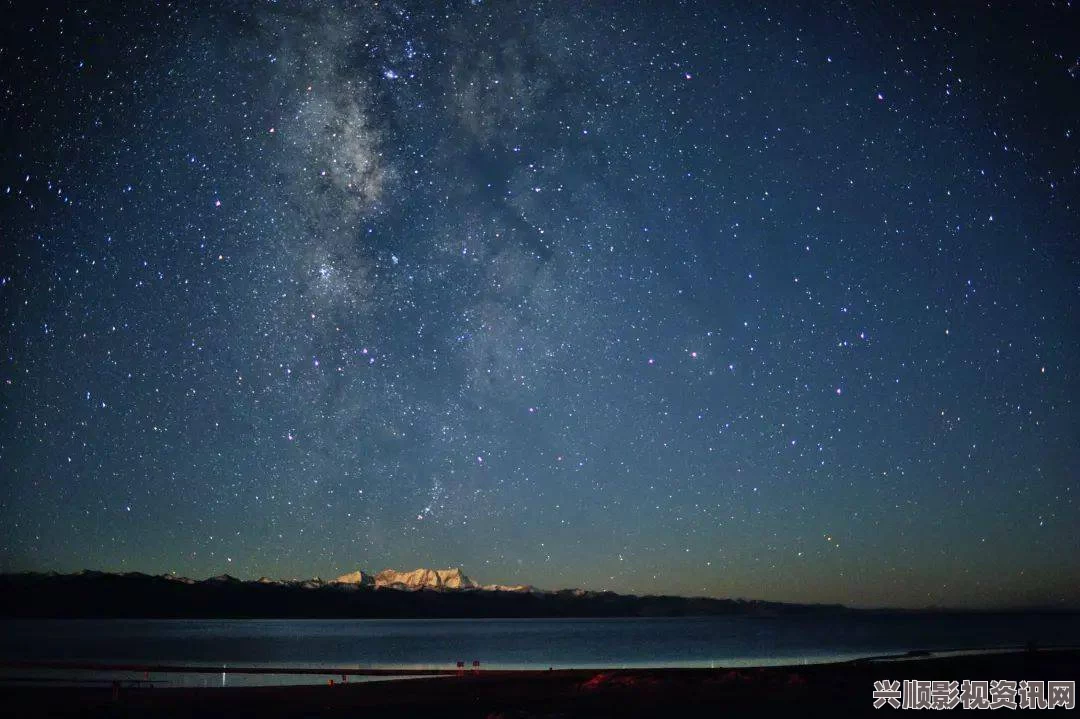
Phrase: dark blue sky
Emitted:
{"points": [[774, 302]]}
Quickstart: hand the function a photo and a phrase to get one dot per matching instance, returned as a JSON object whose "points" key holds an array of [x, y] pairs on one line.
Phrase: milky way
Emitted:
{"points": [[772, 302]]}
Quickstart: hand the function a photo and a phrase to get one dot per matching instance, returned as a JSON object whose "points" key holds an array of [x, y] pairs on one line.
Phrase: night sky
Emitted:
{"points": [[777, 302]]}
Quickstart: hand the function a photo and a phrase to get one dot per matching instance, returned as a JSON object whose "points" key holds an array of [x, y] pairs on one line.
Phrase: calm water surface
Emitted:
{"points": [[520, 643]]}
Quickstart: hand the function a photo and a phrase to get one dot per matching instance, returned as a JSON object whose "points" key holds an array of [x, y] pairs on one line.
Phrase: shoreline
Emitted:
{"points": [[827, 688], [497, 669]]}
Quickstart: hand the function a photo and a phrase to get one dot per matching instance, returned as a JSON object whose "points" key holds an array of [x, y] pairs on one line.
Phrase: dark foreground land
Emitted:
{"points": [[842, 689]]}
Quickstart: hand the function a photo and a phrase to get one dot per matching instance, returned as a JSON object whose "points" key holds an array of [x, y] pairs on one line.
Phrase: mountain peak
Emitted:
{"points": [[359, 577], [224, 579], [425, 579]]}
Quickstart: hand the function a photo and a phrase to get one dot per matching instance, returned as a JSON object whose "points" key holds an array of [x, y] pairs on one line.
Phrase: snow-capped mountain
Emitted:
{"points": [[440, 579], [425, 579], [509, 588], [359, 578], [416, 579]]}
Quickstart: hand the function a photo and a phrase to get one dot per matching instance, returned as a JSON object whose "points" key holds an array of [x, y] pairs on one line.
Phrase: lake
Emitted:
{"points": [[519, 643]]}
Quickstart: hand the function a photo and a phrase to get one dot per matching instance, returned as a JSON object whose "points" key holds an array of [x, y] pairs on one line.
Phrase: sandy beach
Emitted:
{"points": [[818, 690]]}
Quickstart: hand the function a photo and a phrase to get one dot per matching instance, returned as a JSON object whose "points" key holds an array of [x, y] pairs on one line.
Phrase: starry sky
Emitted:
{"points": [[776, 301]]}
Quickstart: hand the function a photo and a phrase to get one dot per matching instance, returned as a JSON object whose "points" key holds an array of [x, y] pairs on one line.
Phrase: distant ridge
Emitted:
{"points": [[360, 578], [441, 579], [421, 593], [425, 579]]}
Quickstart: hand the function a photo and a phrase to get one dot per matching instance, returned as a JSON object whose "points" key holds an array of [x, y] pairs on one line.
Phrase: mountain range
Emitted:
{"points": [[435, 579], [423, 579], [421, 593]]}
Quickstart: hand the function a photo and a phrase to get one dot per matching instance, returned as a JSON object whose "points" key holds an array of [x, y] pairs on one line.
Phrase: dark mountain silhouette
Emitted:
{"points": [[99, 594]]}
